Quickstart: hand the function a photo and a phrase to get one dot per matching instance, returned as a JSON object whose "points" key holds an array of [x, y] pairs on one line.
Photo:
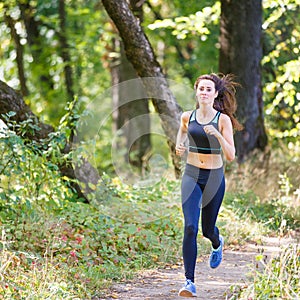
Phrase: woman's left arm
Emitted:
{"points": [[224, 136]]}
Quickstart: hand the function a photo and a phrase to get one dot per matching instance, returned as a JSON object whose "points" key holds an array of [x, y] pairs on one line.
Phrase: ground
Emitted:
{"points": [[235, 270]]}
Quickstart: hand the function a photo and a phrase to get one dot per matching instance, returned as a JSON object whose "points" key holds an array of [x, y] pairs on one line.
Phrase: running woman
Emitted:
{"points": [[209, 131]]}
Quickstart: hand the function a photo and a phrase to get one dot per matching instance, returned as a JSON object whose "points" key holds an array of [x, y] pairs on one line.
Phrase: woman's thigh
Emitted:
{"points": [[191, 199]]}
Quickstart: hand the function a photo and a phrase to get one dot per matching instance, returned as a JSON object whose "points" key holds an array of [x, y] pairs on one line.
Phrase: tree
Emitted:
{"points": [[11, 23], [11, 101], [65, 50], [36, 45], [140, 53], [127, 113], [241, 54]]}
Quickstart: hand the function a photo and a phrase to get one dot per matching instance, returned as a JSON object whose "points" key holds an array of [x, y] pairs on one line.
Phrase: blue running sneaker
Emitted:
{"points": [[188, 290], [216, 255]]}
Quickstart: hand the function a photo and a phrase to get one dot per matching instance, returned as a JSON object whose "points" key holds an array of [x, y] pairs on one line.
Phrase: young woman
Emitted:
{"points": [[209, 130]]}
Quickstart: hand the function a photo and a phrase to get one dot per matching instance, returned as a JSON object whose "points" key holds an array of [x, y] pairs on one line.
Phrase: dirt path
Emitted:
{"points": [[211, 283]]}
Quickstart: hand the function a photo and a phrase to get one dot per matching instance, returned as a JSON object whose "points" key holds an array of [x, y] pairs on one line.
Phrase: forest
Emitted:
{"points": [[91, 94]]}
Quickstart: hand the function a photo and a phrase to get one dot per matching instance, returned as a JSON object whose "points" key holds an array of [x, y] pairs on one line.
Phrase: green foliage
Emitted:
{"points": [[281, 67], [279, 279], [77, 247], [28, 177], [193, 24], [42, 60], [277, 214], [189, 36]]}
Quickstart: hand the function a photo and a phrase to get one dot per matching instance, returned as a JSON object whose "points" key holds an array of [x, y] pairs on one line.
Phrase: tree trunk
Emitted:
{"points": [[132, 115], [140, 53], [19, 51], [65, 50], [35, 43], [128, 112], [240, 54], [11, 101], [138, 143]]}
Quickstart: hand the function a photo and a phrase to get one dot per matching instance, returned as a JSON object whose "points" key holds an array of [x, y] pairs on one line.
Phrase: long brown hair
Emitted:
{"points": [[225, 102]]}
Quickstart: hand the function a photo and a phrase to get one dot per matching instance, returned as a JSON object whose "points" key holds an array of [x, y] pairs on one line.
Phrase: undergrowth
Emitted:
{"points": [[55, 246], [278, 279], [276, 212]]}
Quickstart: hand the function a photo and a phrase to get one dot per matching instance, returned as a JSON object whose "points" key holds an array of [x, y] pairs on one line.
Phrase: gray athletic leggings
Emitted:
{"points": [[200, 188]]}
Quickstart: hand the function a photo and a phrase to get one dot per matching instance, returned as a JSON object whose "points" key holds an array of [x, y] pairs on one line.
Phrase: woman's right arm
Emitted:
{"points": [[182, 133]]}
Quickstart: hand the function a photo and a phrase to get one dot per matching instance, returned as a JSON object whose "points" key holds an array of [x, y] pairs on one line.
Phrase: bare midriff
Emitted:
{"points": [[205, 161]]}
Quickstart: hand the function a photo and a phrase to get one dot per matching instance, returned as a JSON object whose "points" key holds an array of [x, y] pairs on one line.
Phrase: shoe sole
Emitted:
{"points": [[214, 267], [186, 294]]}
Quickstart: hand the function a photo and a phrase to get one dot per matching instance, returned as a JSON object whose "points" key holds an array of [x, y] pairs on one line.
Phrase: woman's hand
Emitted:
{"points": [[210, 129], [180, 149], [224, 136], [182, 133]]}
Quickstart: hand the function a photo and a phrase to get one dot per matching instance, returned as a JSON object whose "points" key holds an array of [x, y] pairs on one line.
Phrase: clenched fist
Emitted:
{"points": [[180, 149]]}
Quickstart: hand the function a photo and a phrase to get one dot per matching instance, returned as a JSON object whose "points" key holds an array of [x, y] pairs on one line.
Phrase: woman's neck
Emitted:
{"points": [[206, 110]]}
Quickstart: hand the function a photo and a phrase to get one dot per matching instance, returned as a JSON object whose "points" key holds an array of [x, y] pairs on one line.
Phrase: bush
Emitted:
{"points": [[280, 278]]}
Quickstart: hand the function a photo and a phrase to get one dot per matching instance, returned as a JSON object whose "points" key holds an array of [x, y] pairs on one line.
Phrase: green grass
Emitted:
{"points": [[279, 278]]}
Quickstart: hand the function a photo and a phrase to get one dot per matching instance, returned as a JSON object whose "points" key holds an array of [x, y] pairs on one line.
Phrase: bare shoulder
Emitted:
{"points": [[225, 120], [186, 116]]}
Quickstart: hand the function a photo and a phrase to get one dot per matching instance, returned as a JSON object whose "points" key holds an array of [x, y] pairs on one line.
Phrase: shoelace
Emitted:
{"points": [[188, 283], [214, 255]]}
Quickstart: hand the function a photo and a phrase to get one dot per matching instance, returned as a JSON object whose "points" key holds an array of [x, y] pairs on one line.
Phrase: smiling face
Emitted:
{"points": [[206, 92]]}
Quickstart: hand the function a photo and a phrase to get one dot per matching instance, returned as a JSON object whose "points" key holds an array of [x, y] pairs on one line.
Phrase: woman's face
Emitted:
{"points": [[206, 92]]}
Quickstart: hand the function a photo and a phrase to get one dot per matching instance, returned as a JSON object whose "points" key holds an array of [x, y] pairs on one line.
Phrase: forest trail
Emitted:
{"points": [[235, 269]]}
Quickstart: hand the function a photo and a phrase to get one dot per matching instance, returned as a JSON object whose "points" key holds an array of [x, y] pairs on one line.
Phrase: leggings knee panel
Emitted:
{"points": [[191, 230]]}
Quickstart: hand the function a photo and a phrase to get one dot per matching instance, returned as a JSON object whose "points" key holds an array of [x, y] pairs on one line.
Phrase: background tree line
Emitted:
{"points": [[52, 51]]}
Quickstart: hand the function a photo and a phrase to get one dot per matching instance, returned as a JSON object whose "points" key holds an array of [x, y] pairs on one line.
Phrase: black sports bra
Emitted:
{"points": [[199, 141]]}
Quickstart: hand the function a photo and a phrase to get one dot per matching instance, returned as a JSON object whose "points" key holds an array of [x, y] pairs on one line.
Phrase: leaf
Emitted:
{"points": [[132, 229], [259, 257], [11, 114]]}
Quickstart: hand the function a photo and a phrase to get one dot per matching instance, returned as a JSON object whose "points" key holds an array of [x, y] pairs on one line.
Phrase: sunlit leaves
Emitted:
{"points": [[281, 68], [285, 105], [194, 24], [84, 26], [278, 8]]}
